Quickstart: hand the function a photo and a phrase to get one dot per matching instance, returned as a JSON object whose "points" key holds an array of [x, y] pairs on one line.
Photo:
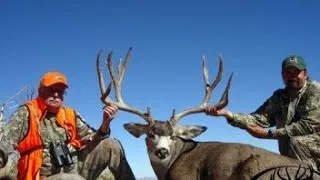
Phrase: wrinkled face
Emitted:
{"points": [[160, 138], [294, 78], [53, 96]]}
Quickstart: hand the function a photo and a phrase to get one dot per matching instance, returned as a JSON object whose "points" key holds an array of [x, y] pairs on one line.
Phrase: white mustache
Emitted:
{"points": [[55, 100]]}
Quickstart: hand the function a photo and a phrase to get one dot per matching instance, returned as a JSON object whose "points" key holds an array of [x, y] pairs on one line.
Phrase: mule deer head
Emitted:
{"points": [[159, 133]]}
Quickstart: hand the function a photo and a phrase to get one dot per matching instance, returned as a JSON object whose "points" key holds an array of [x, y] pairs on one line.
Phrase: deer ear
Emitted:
{"points": [[189, 132], [136, 129]]}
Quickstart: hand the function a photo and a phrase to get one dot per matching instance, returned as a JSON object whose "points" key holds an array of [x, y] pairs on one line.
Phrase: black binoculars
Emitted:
{"points": [[61, 154]]}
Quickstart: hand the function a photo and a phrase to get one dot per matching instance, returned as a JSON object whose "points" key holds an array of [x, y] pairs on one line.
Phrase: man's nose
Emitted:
{"points": [[56, 94]]}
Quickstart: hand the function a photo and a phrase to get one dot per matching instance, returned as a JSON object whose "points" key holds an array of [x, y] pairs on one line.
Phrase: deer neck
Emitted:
{"points": [[161, 167]]}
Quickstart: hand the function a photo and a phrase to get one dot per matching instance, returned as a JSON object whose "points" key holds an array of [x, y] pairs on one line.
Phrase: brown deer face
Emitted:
{"points": [[162, 136]]}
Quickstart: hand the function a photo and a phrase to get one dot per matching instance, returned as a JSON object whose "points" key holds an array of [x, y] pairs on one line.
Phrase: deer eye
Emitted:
{"points": [[173, 137], [151, 136]]}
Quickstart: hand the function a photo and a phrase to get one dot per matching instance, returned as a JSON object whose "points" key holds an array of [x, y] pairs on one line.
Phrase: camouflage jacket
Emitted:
{"points": [[17, 128], [292, 116]]}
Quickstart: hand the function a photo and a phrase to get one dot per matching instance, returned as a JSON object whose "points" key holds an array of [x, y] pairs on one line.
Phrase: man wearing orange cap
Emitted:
{"points": [[54, 139]]}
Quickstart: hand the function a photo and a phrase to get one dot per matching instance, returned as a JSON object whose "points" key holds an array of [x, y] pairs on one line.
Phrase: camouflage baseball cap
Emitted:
{"points": [[294, 61]]}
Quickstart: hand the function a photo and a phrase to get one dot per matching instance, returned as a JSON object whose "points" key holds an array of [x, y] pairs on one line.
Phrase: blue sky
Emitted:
{"points": [[168, 39]]}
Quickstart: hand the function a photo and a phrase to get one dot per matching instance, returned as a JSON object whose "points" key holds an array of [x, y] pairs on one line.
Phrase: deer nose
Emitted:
{"points": [[162, 153]]}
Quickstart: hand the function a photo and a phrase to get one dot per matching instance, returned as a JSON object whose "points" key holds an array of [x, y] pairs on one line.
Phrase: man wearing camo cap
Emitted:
{"points": [[55, 142], [293, 110]]}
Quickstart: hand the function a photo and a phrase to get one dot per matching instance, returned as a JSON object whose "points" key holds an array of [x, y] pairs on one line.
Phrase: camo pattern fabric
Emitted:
{"points": [[94, 157], [297, 122], [17, 128]]}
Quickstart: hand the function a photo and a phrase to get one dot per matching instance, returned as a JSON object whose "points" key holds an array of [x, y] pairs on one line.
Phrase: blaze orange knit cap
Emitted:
{"points": [[51, 78]]}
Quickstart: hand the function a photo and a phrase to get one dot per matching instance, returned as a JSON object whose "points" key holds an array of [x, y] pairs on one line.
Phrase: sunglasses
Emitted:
{"points": [[60, 91]]}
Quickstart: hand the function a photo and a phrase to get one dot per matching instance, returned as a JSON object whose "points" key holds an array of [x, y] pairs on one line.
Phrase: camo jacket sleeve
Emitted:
{"points": [[307, 115], [263, 116], [17, 127], [13, 132], [85, 131], [83, 128]]}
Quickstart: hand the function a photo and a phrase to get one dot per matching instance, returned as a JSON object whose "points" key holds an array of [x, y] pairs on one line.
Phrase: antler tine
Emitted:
{"points": [[116, 80], [122, 67], [209, 87], [208, 91], [113, 77], [225, 96], [100, 75]]}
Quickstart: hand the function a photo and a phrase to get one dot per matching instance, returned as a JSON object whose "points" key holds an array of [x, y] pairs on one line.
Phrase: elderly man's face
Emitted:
{"points": [[294, 78], [53, 96]]}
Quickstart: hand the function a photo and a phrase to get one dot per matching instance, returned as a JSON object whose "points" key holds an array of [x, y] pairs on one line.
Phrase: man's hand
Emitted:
{"points": [[109, 113], [258, 132], [213, 111]]}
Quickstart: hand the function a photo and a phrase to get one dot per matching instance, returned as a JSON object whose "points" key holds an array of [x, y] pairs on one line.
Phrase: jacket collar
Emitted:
{"points": [[41, 104]]}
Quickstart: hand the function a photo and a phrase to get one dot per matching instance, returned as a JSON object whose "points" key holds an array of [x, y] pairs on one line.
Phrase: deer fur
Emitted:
{"points": [[189, 160]]}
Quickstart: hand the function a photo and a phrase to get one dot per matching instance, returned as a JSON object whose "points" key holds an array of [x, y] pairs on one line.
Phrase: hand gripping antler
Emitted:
{"points": [[116, 80], [208, 91]]}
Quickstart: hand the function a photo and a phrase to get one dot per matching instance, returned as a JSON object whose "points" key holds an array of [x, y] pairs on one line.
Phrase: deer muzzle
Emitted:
{"points": [[162, 153]]}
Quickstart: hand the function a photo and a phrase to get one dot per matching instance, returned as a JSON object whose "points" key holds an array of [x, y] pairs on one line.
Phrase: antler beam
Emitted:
{"points": [[116, 80], [208, 91]]}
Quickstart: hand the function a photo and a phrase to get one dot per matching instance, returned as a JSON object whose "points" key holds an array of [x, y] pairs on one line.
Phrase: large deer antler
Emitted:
{"points": [[208, 91], [117, 81]]}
